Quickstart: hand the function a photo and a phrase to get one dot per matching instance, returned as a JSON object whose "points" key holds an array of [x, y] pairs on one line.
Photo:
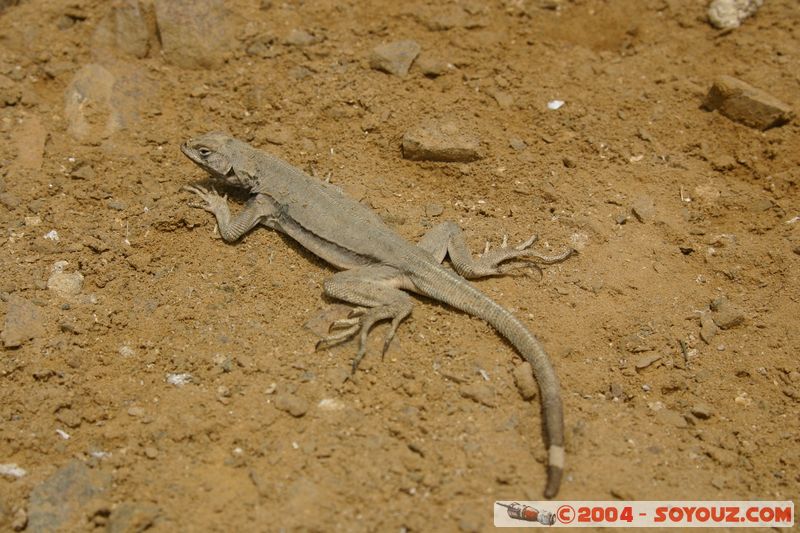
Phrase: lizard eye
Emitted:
{"points": [[204, 152]]}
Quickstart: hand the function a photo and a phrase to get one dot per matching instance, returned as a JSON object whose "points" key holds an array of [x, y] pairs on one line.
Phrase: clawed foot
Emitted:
{"points": [[491, 261], [211, 199], [362, 320]]}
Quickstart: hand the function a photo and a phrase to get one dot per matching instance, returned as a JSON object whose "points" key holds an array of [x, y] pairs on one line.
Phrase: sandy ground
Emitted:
{"points": [[163, 379]]}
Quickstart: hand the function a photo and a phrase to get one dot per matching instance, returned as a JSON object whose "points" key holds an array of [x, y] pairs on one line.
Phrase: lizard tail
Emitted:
{"points": [[460, 294]]}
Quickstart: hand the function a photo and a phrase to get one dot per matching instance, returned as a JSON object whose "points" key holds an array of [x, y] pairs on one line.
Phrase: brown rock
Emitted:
{"points": [[124, 29], [194, 34], [23, 322], [292, 404], [29, 138], [741, 102], [395, 57], [440, 141]]}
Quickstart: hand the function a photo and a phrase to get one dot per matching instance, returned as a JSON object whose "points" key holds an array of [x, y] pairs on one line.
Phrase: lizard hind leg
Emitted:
{"points": [[375, 290], [447, 239]]}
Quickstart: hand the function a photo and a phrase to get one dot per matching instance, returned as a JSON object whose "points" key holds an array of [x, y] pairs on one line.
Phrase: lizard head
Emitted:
{"points": [[212, 152]]}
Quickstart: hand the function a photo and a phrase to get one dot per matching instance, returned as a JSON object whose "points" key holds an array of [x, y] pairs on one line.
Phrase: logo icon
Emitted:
{"points": [[526, 513]]}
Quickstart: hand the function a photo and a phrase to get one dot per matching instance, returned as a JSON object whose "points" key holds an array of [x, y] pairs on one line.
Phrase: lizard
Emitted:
{"points": [[378, 267]]}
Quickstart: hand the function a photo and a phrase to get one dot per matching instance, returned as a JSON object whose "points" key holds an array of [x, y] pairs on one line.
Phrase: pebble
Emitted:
{"points": [[136, 411], [432, 67], [83, 172], [729, 14], [292, 404], [708, 329], [330, 404], [133, 517], [20, 521], [179, 380], [643, 208], [300, 38], [748, 105], [10, 92], [517, 144], [23, 322], [524, 380], [11, 201], [12, 470], [702, 411], [727, 315], [195, 34], [440, 141], [64, 283], [433, 210], [615, 390], [646, 361], [395, 57], [672, 418]]}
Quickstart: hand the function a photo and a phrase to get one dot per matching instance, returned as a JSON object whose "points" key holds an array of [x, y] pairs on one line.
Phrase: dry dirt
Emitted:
{"points": [[673, 207]]}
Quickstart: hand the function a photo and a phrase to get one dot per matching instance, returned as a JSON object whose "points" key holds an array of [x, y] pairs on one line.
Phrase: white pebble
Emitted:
{"points": [[179, 380], [51, 235], [12, 470], [555, 104], [63, 434]]}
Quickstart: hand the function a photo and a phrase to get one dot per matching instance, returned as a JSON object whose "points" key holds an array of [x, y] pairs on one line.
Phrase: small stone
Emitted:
{"points": [[12, 471], [29, 138], [702, 411], [708, 329], [11, 201], [517, 144], [718, 482], [292, 404], [64, 283], [440, 141], [432, 67], [727, 315], [722, 162], [433, 210], [10, 92], [526, 383], [132, 517], [300, 38], [722, 456], [646, 361], [330, 404], [616, 390], [194, 34], [479, 392], [504, 99], [395, 57], [179, 380], [24, 321], [741, 102], [136, 411], [729, 14], [643, 208], [150, 452], [672, 418], [569, 162], [83, 172]]}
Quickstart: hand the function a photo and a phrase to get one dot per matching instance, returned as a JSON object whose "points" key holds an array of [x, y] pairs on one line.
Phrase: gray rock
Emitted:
{"points": [[708, 329], [125, 29], [643, 208], [194, 34], [748, 105], [727, 315], [300, 38], [432, 67], [433, 210], [646, 361], [132, 517], [702, 411], [57, 502], [292, 404], [526, 383], [395, 57], [24, 321], [440, 141], [517, 144]]}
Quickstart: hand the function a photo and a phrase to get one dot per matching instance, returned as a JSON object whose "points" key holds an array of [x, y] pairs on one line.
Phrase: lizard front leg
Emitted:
{"points": [[259, 209], [375, 290], [447, 239]]}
